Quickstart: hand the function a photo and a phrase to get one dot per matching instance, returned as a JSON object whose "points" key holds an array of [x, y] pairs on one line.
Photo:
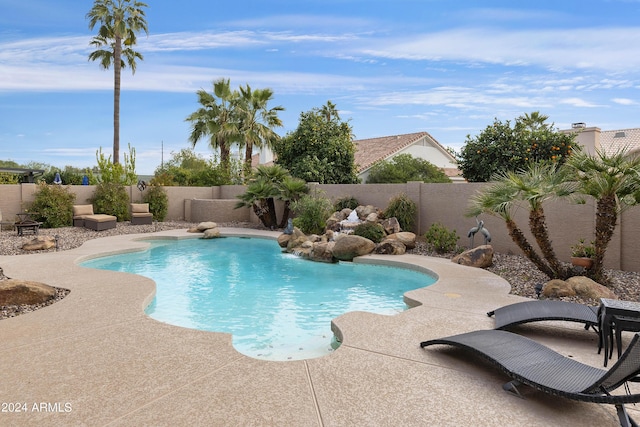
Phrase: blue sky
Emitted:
{"points": [[391, 67]]}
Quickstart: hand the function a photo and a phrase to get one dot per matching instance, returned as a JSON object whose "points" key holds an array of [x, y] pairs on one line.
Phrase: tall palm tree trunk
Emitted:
{"points": [[248, 154], [520, 240], [538, 225], [606, 218], [117, 65]]}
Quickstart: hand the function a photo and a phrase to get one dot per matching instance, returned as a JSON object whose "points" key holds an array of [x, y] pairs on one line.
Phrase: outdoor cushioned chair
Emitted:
{"points": [[531, 363], [80, 212], [140, 214], [83, 216], [539, 310]]}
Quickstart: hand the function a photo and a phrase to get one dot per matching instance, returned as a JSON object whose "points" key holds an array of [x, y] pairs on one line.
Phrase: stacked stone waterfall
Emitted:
{"points": [[339, 244]]}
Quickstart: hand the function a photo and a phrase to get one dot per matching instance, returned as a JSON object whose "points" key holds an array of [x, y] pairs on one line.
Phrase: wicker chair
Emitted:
{"points": [[543, 369], [539, 310], [140, 214]]}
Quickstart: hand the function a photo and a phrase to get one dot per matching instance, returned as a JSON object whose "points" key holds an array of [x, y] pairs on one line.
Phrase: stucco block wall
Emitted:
{"points": [[444, 203]]}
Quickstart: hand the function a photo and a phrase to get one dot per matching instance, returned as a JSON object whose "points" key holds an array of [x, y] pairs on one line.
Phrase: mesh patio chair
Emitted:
{"points": [[540, 310], [531, 363]]}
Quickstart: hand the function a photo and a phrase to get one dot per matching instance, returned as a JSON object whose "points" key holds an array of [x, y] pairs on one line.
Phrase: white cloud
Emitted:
{"points": [[624, 101]]}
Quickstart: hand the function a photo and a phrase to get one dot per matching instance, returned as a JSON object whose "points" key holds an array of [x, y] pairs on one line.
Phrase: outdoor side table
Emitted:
{"points": [[611, 310]]}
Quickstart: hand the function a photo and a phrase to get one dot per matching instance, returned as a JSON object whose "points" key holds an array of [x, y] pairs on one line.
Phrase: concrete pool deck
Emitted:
{"points": [[96, 359]]}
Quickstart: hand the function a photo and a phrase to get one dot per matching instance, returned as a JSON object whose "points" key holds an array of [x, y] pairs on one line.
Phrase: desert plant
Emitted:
{"points": [[583, 249], [158, 201], [370, 230], [440, 239], [53, 206], [311, 212], [346, 202], [404, 209], [112, 199]]}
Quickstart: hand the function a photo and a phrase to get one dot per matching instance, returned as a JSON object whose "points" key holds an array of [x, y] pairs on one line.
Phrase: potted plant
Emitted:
{"points": [[582, 254]]}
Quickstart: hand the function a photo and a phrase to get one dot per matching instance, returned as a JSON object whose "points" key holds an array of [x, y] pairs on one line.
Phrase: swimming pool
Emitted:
{"points": [[276, 306]]}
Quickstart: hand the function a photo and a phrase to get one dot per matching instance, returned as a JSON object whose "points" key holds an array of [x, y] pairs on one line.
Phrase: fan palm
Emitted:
{"points": [[216, 119], [613, 180], [528, 188], [119, 21], [256, 121]]}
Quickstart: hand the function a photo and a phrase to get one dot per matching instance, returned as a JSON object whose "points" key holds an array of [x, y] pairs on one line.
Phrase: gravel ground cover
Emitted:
{"points": [[517, 270]]}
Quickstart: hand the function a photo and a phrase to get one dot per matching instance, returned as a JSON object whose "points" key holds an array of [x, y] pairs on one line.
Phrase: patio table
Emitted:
{"points": [[609, 312]]}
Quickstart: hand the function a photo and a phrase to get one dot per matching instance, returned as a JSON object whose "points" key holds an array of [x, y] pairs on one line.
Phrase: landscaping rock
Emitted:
{"points": [[21, 292], [577, 286], [40, 243], [480, 257]]}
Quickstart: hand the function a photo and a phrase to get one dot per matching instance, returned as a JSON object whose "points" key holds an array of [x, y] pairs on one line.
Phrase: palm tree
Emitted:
{"points": [[256, 121], [290, 190], [613, 180], [329, 111], [217, 118], [531, 187], [119, 20], [267, 184]]}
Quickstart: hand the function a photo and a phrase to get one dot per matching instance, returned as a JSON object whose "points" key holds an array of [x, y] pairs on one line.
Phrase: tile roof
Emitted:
{"points": [[369, 151], [613, 141]]}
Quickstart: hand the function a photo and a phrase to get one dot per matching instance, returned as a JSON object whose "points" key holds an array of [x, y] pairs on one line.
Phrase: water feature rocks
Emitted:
{"points": [[350, 246], [211, 233], [481, 257], [206, 226], [322, 252], [391, 225], [407, 238], [391, 247], [23, 292]]}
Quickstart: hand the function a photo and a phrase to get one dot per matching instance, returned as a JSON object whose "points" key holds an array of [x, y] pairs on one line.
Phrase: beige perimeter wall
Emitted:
{"points": [[443, 203]]}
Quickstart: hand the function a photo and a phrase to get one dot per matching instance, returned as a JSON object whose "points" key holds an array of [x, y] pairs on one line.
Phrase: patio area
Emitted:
{"points": [[96, 359]]}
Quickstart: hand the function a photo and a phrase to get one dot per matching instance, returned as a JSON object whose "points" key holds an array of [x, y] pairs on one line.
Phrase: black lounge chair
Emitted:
{"points": [[537, 310], [531, 363]]}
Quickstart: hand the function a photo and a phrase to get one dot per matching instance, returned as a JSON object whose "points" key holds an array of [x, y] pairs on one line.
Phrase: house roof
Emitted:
{"points": [[369, 151], [613, 141]]}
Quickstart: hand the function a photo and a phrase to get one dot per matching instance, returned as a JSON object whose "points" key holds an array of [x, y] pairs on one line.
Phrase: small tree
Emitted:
{"points": [[269, 183], [320, 149], [53, 205], [501, 148], [403, 209], [158, 201], [404, 168], [312, 211]]}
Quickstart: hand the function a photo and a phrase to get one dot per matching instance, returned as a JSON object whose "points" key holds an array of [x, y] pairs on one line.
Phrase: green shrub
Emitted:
{"points": [[441, 239], [404, 209], [346, 202], [158, 201], [311, 213], [111, 198], [370, 230], [53, 206]]}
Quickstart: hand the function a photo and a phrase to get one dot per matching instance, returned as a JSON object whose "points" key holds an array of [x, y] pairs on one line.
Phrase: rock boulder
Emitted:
{"points": [[481, 257], [22, 292], [350, 246]]}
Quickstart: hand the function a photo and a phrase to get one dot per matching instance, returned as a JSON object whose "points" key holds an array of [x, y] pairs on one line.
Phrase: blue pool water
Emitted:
{"points": [[276, 306]]}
